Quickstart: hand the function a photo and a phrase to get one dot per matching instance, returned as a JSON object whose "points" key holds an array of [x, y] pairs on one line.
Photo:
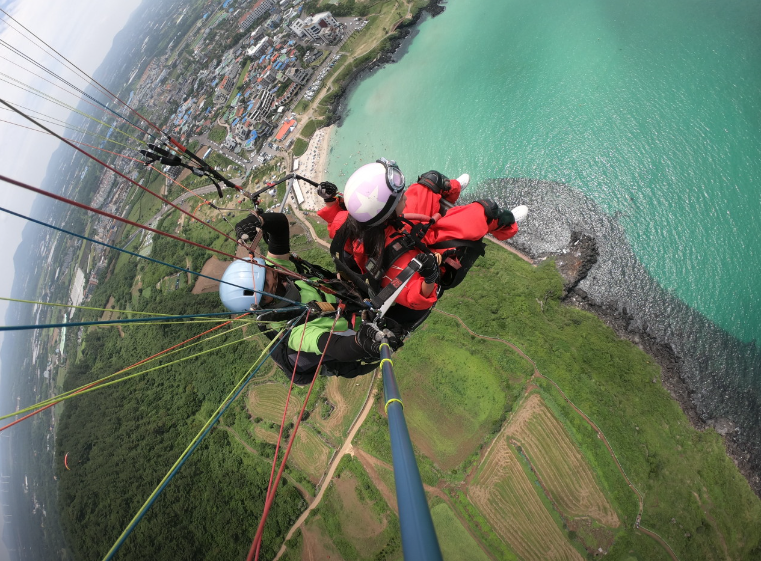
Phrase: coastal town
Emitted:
{"points": [[242, 101]]}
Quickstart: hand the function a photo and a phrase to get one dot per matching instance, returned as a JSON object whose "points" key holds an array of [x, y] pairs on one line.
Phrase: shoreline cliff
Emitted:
{"points": [[701, 363], [602, 276]]}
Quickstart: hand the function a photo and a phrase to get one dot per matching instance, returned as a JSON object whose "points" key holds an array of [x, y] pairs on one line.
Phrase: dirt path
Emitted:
{"points": [[345, 449], [712, 521], [213, 268]]}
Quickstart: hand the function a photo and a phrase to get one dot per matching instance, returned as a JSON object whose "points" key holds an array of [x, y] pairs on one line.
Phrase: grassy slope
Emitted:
{"points": [[684, 474], [692, 490]]}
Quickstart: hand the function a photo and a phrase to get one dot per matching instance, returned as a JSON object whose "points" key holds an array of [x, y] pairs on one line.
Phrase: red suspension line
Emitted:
{"points": [[109, 215], [120, 371], [120, 174], [170, 178], [256, 545], [285, 410]]}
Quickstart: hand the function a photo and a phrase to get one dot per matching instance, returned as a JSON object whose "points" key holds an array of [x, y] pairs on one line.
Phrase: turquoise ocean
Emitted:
{"points": [[652, 109]]}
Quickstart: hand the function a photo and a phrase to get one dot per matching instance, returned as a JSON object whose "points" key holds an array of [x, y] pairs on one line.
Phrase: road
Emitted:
{"points": [[345, 449], [166, 208]]}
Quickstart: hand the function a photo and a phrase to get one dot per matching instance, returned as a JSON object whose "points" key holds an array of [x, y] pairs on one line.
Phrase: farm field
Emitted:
{"points": [[343, 397], [353, 520], [267, 401], [454, 540], [509, 501], [310, 454], [269, 436], [457, 394], [564, 473]]}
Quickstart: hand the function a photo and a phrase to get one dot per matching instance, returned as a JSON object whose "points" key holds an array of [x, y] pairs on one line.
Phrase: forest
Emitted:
{"points": [[121, 440]]}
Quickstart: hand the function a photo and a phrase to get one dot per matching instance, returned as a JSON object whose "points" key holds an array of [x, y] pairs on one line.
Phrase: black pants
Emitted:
{"points": [[306, 369]]}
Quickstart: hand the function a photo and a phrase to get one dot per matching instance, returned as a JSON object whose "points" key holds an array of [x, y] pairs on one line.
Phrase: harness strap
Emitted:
{"points": [[393, 288], [454, 244]]}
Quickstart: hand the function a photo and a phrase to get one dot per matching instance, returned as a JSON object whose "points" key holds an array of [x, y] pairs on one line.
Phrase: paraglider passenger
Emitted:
{"points": [[378, 227]]}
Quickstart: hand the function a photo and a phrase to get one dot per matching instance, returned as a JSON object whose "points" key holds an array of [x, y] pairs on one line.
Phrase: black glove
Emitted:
{"points": [[435, 181], [274, 225], [370, 337], [246, 229], [493, 212], [429, 269], [327, 191]]}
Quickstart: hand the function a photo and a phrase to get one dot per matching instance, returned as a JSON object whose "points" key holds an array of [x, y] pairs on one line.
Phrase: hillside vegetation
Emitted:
{"points": [[510, 466], [524, 468]]}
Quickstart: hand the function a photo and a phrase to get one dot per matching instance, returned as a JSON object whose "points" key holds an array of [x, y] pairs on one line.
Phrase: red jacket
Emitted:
{"points": [[466, 222]]}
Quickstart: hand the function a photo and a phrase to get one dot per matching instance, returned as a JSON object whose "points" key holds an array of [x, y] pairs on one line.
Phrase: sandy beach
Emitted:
{"points": [[312, 164]]}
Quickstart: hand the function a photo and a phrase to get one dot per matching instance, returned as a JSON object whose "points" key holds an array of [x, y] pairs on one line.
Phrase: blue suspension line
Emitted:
{"points": [[130, 320], [145, 257]]}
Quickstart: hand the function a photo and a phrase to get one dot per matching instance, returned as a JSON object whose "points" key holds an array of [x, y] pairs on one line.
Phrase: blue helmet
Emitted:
{"points": [[242, 285]]}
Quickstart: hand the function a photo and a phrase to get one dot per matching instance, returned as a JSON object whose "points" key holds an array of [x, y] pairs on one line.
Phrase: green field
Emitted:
{"points": [[310, 454], [355, 518], [455, 541], [268, 400], [343, 398], [457, 390]]}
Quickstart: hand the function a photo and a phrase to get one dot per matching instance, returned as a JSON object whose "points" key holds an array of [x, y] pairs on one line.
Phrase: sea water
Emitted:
{"points": [[638, 123], [651, 108]]}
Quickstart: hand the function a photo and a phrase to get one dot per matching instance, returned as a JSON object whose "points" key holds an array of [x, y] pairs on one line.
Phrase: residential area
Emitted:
{"points": [[232, 82]]}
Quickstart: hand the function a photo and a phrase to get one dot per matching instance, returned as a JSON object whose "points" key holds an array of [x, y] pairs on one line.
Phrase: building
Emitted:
{"points": [[259, 47], [273, 22], [298, 75], [317, 27], [225, 87], [259, 9], [285, 128]]}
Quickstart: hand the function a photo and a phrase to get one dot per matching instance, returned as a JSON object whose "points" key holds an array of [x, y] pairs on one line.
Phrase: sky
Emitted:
{"points": [[82, 31]]}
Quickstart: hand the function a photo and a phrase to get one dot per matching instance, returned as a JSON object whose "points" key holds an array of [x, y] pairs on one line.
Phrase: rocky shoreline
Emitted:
{"points": [[574, 262], [597, 284]]}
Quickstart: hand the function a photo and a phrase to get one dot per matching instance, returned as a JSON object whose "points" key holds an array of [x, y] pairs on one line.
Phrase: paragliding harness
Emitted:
{"points": [[282, 354], [457, 259]]}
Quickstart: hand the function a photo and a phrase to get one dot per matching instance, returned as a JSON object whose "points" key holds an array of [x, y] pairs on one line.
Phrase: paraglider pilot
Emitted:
{"points": [[353, 349]]}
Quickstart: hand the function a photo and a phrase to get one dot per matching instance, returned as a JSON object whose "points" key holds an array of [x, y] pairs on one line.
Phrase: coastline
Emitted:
{"points": [[316, 155], [574, 262], [396, 39], [313, 164], [681, 374], [700, 362]]}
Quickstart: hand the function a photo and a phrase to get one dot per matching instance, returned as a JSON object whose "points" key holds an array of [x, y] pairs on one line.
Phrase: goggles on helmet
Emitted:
{"points": [[394, 176]]}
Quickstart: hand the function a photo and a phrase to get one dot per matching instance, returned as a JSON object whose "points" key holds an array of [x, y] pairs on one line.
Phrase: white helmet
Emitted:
{"points": [[373, 191], [242, 285]]}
